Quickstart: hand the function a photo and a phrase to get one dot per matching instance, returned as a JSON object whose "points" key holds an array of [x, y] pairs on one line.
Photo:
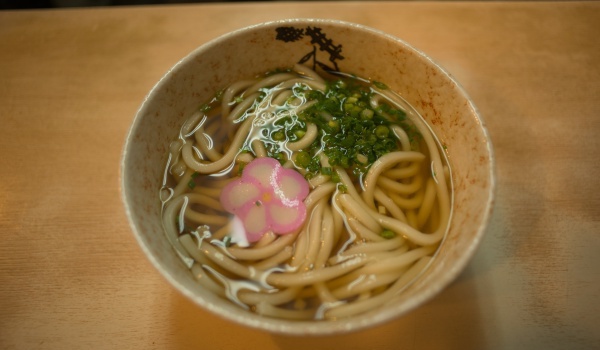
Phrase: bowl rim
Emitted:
{"points": [[313, 327]]}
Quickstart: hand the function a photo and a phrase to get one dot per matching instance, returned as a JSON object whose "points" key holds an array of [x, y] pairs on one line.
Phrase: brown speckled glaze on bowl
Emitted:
{"points": [[364, 52]]}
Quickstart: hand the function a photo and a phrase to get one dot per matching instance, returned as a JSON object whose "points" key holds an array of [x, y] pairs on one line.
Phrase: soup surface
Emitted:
{"points": [[304, 196]]}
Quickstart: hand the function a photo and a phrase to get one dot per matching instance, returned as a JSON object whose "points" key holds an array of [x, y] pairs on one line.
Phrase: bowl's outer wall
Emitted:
{"points": [[367, 53]]}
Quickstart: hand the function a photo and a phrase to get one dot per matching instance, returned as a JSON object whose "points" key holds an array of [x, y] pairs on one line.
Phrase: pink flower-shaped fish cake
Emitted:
{"points": [[267, 197]]}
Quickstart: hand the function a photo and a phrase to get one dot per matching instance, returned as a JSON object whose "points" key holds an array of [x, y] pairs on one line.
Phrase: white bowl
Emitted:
{"points": [[364, 51]]}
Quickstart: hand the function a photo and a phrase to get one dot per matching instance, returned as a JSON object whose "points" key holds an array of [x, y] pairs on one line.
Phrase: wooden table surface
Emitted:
{"points": [[73, 277]]}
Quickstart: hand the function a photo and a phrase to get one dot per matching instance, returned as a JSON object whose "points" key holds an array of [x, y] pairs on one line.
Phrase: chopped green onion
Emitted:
{"points": [[361, 158], [351, 100], [241, 167], [380, 85], [367, 114], [382, 131], [303, 159], [387, 234], [299, 133], [335, 177], [278, 135]]}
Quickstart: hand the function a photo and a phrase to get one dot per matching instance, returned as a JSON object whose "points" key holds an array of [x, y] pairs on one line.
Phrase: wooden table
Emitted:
{"points": [[73, 277]]}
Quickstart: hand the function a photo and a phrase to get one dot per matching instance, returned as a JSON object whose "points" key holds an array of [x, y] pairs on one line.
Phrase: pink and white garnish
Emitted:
{"points": [[267, 197]]}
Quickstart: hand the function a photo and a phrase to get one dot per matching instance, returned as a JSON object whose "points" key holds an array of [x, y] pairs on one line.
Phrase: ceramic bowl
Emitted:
{"points": [[318, 43]]}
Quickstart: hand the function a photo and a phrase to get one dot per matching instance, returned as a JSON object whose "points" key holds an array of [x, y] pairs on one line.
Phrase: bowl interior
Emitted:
{"points": [[350, 48]]}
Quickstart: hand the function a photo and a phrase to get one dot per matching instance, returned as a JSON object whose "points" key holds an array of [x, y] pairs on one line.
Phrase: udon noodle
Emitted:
{"points": [[377, 208]]}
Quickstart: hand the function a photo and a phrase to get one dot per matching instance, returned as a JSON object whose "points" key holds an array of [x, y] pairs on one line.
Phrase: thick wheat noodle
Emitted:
{"points": [[178, 169], [302, 244], [203, 199], [227, 263], [191, 248], [368, 283], [228, 157], [398, 187], [259, 149], [288, 164], [352, 208], [403, 172], [213, 125], [399, 261], [208, 191], [315, 227], [411, 217], [240, 109], [192, 123], [384, 255], [318, 193], [205, 219], [275, 260], [221, 182], [170, 213], [222, 232], [300, 247], [373, 256], [313, 84], [407, 203], [274, 298], [402, 136], [324, 160], [395, 225], [272, 80], [265, 240], [214, 128], [324, 293], [383, 163], [279, 100], [354, 276], [229, 93], [372, 247], [437, 164], [182, 185], [408, 231], [327, 238], [304, 70], [428, 202], [389, 204], [433, 221], [338, 224], [203, 144], [374, 302], [311, 134], [244, 157], [358, 199], [205, 280], [374, 101], [318, 180], [263, 252], [314, 276], [267, 309], [362, 231], [398, 226]]}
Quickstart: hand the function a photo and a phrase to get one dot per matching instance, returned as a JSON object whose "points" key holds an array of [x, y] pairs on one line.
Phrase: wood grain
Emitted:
{"points": [[73, 277]]}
